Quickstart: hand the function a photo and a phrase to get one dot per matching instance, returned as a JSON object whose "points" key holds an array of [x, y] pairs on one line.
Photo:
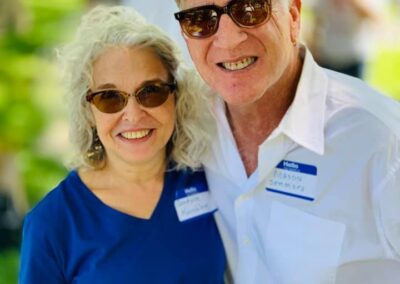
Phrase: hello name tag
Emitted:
{"points": [[193, 202], [294, 179]]}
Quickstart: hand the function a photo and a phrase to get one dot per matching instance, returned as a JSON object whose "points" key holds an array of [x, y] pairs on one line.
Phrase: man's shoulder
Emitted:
{"points": [[355, 98]]}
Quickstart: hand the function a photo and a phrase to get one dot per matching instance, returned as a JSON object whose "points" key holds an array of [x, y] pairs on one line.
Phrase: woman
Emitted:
{"points": [[132, 211]]}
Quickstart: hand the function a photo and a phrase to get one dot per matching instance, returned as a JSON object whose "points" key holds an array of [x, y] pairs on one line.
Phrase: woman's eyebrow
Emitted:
{"points": [[106, 86]]}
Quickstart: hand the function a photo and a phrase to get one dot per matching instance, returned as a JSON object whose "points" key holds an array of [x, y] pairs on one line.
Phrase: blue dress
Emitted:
{"points": [[71, 236]]}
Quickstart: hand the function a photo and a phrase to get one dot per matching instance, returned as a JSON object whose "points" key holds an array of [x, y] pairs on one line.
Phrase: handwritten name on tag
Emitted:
{"points": [[294, 179], [193, 202]]}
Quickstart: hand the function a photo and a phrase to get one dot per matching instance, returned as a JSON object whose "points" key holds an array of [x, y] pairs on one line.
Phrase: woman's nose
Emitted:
{"points": [[133, 111]]}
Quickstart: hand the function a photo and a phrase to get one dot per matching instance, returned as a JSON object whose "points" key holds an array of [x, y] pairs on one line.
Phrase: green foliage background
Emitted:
{"points": [[30, 96], [31, 99]]}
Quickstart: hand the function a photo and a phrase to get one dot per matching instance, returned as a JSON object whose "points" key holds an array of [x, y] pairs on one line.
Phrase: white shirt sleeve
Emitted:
{"points": [[388, 203]]}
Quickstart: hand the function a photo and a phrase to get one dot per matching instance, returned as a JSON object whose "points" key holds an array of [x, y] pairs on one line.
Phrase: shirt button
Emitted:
{"points": [[246, 240], [240, 200]]}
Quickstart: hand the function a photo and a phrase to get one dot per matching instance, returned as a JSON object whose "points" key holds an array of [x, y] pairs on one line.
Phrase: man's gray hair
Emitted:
{"points": [[105, 27], [179, 2]]}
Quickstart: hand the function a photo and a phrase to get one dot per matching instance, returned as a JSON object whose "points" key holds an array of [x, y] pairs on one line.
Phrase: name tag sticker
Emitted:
{"points": [[294, 179], [193, 202]]}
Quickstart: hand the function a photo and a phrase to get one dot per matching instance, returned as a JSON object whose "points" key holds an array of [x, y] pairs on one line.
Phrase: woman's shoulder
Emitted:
{"points": [[54, 205]]}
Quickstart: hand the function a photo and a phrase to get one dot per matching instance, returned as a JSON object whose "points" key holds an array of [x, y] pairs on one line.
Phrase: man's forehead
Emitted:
{"points": [[195, 3], [185, 4]]}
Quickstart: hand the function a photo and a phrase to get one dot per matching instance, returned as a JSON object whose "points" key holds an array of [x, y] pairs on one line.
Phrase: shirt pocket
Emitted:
{"points": [[301, 248], [375, 271]]}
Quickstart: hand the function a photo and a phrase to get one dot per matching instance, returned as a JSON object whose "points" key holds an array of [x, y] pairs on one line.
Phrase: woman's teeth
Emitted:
{"points": [[135, 134]]}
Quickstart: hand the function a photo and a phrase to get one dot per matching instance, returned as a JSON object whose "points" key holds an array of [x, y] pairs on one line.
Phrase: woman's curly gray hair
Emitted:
{"points": [[105, 27]]}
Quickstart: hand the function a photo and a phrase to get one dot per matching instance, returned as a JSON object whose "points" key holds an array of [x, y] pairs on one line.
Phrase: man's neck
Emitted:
{"points": [[252, 124]]}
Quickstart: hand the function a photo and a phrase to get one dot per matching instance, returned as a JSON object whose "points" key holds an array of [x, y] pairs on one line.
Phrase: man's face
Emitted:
{"points": [[242, 64]]}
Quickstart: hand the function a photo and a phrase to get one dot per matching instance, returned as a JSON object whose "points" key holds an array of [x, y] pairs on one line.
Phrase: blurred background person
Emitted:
{"points": [[13, 203], [343, 33]]}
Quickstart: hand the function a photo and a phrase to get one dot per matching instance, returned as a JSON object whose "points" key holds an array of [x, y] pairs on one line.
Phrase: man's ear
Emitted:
{"points": [[295, 13]]}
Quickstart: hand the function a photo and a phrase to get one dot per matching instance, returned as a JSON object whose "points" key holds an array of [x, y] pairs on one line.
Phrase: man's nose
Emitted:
{"points": [[229, 34]]}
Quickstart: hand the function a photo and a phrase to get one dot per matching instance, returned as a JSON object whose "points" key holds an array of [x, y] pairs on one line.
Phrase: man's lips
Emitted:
{"points": [[238, 64]]}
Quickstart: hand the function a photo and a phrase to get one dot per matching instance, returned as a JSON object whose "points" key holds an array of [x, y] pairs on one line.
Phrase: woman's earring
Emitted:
{"points": [[96, 152]]}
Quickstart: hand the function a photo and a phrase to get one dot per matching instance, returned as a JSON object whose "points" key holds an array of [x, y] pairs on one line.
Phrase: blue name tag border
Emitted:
{"points": [[290, 194], [199, 188], [297, 167]]}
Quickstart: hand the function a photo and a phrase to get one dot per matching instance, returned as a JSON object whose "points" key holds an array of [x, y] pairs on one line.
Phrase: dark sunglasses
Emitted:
{"points": [[202, 21], [112, 101]]}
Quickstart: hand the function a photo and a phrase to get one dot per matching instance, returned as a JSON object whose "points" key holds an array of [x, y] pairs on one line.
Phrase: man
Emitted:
{"points": [[305, 166]]}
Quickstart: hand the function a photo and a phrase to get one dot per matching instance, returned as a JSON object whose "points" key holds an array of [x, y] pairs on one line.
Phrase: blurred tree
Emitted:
{"points": [[106, 2], [28, 84], [30, 105]]}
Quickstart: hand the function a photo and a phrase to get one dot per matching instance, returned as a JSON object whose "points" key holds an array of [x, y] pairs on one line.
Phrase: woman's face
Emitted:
{"points": [[135, 135]]}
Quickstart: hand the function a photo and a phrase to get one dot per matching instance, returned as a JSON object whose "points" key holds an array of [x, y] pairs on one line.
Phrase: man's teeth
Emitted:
{"points": [[241, 64], [135, 134]]}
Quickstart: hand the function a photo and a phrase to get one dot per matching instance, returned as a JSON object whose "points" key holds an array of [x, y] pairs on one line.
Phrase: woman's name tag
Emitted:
{"points": [[193, 202]]}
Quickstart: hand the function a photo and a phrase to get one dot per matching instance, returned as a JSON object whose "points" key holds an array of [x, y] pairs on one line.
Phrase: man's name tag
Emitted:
{"points": [[193, 202], [294, 179]]}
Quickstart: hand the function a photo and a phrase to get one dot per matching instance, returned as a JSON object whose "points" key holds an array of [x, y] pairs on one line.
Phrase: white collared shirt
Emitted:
{"points": [[326, 193]]}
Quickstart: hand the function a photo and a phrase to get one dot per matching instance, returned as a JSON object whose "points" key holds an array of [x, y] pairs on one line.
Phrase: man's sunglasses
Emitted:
{"points": [[202, 21], [112, 101]]}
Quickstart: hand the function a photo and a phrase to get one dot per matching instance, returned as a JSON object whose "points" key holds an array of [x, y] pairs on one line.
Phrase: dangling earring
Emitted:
{"points": [[96, 152]]}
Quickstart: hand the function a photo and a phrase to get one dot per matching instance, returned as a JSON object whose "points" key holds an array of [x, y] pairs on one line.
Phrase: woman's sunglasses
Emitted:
{"points": [[202, 21], [112, 101]]}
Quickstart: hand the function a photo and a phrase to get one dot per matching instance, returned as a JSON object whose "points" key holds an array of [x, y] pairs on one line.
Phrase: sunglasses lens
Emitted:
{"points": [[153, 95], [109, 101], [199, 22], [249, 12], [202, 22]]}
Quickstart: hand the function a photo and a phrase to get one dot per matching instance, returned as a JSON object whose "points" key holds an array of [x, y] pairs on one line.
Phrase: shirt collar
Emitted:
{"points": [[304, 121]]}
